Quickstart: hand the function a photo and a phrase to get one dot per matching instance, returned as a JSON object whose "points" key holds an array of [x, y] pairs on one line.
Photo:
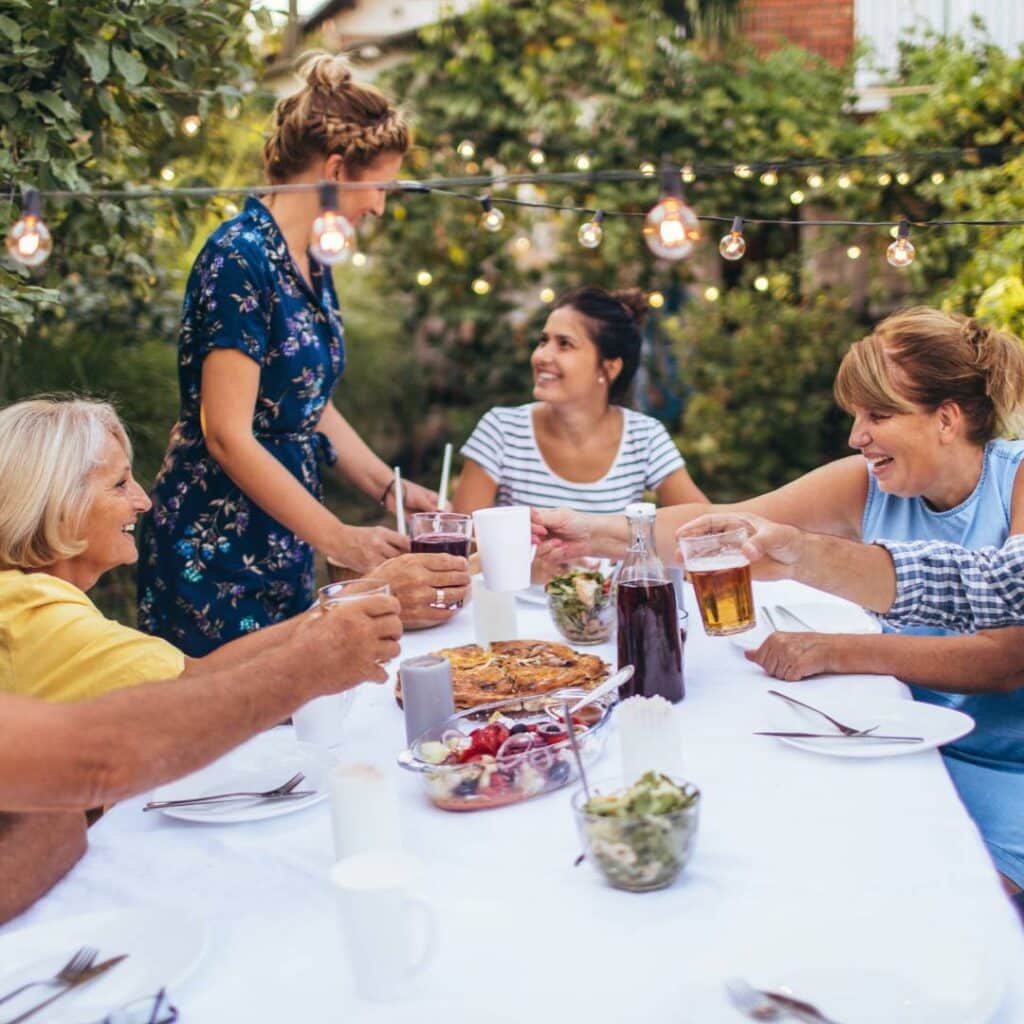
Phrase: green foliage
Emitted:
{"points": [[761, 372], [624, 84], [92, 95]]}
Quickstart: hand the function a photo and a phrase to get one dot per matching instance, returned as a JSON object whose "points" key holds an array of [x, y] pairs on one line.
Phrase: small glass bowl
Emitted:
{"points": [[578, 623], [515, 776], [638, 852]]}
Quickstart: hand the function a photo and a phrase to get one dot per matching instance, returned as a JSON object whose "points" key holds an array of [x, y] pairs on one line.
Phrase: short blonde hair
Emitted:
{"points": [[925, 357], [49, 447]]}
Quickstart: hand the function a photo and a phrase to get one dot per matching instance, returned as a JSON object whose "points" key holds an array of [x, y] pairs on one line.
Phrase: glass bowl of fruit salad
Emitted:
{"points": [[582, 604], [508, 751]]}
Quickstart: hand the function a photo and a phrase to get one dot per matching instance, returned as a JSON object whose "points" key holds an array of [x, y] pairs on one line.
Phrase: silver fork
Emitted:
{"points": [[285, 791], [846, 730], [79, 963]]}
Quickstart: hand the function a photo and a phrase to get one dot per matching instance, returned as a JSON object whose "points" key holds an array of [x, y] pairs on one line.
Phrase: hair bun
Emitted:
{"points": [[635, 301], [325, 72], [976, 334]]}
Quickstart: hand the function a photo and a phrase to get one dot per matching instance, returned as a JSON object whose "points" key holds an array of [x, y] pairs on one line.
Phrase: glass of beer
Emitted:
{"points": [[720, 574]]}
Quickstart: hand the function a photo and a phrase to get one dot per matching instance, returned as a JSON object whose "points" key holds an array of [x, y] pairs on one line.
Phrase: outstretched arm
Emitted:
{"points": [[36, 852]]}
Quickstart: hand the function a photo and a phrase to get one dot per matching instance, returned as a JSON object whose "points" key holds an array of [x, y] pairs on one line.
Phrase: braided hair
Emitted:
{"points": [[332, 114]]}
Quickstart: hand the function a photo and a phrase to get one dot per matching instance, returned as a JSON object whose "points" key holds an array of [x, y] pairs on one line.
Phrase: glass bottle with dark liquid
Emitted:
{"points": [[648, 621]]}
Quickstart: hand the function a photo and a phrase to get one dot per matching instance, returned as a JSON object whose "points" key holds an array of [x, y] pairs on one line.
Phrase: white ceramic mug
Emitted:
{"points": [[390, 935], [503, 539]]}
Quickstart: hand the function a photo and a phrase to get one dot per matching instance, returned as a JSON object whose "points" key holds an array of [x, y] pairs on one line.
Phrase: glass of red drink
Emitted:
{"points": [[441, 533]]}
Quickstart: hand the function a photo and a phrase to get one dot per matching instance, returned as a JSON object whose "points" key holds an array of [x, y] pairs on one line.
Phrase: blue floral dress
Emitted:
{"points": [[213, 565]]}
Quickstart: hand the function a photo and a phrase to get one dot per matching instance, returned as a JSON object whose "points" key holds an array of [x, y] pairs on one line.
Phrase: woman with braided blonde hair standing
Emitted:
{"points": [[237, 510]]}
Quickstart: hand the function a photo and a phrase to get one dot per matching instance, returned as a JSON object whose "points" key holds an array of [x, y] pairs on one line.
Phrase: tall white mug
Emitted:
{"points": [[503, 539], [389, 934]]}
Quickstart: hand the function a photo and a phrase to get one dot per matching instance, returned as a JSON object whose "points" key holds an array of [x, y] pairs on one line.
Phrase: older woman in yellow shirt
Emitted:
{"points": [[68, 507]]}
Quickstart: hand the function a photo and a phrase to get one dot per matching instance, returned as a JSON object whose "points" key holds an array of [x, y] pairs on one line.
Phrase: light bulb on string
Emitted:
{"points": [[583, 162], [466, 149], [689, 175], [903, 178], [796, 197], [884, 179], [770, 178], [547, 295], [711, 293], [656, 300], [333, 239], [733, 245], [938, 177], [481, 286], [359, 259], [167, 173], [647, 169], [761, 283], [591, 233], [492, 219], [815, 180], [536, 156], [28, 240], [671, 228], [190, 125], [844, 181], [424, 278], [853, 252], [743, 171], [901, 253]]}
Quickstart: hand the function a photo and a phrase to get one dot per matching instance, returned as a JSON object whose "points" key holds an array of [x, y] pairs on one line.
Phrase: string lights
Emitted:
{"points": [[492, 218], [733, 245], [591, 233], [671, 228], [901, 253], [333, 239], [29, 241]]}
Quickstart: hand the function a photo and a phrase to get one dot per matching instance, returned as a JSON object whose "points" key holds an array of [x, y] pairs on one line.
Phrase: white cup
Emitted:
{"points": [[364, 809], [494, 616], [503, 539], [377, 915], [322, 720]]}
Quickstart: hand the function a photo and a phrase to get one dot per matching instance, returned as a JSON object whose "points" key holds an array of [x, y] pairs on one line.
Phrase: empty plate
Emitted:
{"points": [[894, 717]]}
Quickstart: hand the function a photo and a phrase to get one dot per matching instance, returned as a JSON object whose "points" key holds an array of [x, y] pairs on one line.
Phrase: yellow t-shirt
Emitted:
{"points": [[56, 644]]}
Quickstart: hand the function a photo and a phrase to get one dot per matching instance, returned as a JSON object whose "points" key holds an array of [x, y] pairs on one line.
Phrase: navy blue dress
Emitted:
{"points": [[213, 565]]}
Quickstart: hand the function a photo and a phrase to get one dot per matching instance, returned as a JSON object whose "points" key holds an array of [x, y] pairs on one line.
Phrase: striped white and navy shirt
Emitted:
{"points": [[505, 447]]}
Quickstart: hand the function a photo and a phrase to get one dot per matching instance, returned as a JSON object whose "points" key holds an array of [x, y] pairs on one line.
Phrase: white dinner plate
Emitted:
{"points": [[893, 716], [163, 944], [250, 769], [824, 616]]}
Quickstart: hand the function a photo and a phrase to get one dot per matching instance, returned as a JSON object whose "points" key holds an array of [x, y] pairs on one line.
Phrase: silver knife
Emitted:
{"points": [[86, 976], [840, 736]]}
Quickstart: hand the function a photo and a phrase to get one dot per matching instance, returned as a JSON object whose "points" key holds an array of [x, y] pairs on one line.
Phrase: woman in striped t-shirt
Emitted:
{"points": [[575, 446]]}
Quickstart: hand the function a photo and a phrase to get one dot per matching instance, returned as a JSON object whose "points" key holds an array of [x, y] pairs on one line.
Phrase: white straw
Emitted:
{"points": [[399, 502], [446, 467]]}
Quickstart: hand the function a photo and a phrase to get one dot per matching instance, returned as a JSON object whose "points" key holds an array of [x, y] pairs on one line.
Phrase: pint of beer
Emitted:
{"points": [[720, 574]]}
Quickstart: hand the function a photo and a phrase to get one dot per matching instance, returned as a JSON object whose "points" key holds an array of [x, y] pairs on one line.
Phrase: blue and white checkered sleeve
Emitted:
{"points": [[940, 584]]}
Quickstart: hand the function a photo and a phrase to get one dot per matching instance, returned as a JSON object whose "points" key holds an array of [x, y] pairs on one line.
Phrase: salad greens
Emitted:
{"points": [[582, 606], [642, 836]]}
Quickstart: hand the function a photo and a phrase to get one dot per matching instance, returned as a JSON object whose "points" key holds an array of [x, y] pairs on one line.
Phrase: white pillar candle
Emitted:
{"points": [[364, 809]]}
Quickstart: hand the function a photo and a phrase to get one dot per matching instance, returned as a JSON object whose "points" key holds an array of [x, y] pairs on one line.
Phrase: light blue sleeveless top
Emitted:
{"points": [[980, 520]]}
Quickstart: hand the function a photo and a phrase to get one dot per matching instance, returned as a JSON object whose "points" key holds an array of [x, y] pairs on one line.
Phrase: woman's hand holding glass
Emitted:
{"points": [[561, 534]]}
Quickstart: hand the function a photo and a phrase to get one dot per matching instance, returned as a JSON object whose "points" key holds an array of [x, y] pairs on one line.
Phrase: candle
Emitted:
{"points": [[649, 737], [426, 693], [494, 615]]}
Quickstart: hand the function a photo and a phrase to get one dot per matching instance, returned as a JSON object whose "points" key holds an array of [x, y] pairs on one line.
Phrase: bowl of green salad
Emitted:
{"points": [[641, 836], [582, 604]]}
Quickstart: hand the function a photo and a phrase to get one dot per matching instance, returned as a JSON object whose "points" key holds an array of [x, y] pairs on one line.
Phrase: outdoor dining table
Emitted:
{"points": [[858, 870]]}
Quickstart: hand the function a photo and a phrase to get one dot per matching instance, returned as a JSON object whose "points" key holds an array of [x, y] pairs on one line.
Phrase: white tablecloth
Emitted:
{"points": [[802, 862]]}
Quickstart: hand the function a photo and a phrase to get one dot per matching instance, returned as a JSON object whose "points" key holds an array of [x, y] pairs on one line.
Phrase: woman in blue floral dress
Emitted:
{"points": [[237, 509]]}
